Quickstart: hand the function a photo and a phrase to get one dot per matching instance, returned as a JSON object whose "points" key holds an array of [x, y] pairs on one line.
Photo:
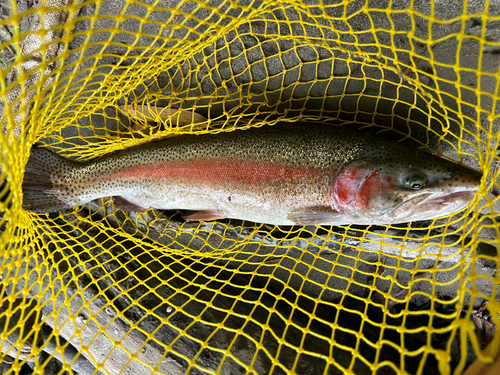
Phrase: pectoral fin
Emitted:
{"points": [[315, 216], [205, 215]]}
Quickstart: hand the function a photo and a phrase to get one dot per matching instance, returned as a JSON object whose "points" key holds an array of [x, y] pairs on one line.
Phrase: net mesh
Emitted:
{"points": [[106, 291]]}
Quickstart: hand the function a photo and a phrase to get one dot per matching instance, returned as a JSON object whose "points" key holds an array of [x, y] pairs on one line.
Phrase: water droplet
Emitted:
{"points": [[109, 310], [80, 319], [169, 309]]}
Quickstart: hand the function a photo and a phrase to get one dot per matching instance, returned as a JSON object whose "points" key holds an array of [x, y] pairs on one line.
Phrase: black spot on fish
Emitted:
{"points": [[229, 199]]}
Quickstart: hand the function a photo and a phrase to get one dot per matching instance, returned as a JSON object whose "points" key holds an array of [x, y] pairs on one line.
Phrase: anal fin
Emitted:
{"points": [[316, 216], [205, 215]]}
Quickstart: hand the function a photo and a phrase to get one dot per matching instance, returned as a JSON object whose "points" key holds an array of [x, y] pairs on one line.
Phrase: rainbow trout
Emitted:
{"points": [[299, 174]]}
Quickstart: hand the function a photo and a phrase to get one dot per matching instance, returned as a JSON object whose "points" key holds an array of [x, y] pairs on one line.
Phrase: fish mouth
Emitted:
{"points": [[430, 205]]}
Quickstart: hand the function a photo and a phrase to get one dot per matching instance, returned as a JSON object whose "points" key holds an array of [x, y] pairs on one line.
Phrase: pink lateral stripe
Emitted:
{"points": [[213, 170]]}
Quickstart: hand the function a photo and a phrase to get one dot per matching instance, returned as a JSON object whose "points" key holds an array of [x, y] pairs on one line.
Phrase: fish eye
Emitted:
{"points": [[415, 180]]}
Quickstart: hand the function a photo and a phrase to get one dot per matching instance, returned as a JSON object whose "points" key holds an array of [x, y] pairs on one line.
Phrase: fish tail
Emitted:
{"points": [[45, 183]]}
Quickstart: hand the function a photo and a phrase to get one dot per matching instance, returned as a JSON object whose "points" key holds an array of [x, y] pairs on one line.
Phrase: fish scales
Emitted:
{"points": [[285, 174]]}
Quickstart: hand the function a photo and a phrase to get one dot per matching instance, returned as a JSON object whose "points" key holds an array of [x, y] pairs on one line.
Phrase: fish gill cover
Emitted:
{"points": [[100, 290]]}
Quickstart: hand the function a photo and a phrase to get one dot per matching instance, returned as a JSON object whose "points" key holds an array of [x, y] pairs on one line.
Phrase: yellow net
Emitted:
{"points": [[99, 290]]}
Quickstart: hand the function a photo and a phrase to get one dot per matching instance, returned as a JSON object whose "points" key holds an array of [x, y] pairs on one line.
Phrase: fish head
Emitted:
{"points": [[413, 186]]}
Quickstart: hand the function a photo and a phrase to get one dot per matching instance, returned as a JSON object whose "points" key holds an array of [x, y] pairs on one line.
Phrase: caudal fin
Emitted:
{"points": [[45, 180]]}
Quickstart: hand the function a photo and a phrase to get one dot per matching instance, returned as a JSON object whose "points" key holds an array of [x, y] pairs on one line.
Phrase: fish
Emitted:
{"points": [[285, 174]]}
